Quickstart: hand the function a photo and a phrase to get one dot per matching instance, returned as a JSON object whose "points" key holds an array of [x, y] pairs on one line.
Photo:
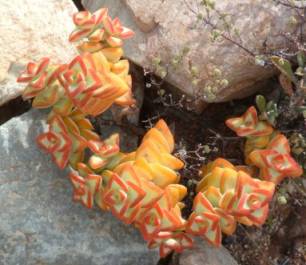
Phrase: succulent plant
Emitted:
{"points": [[98, 31], [142, 187], [67, 138], [88, 85], [265, 147], [139, 188], [43, 84], [248, 124], [258, 133], [85, 187], [92, 86], [106, 154], [227, 195], [57, 142], [165, 214], [92, 82], [275, 161]]}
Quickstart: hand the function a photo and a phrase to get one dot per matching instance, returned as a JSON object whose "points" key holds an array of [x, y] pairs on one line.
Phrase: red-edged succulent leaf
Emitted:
{"points": [[83, 169], [78, 183], [36, 76], [253, 143], [83, 19], [249, 125], [46, 97], [91, 85], [280, 144], [227, 222], [105, 152], [252, 194], [106, 148], [78, 34], [275, 162], [204, 220], [151, 222], [153, 193], [99, 28], [123, 196], [126, 33], [33, 70], [85, 188], [135, 192], [114, 42], [48, 141], [57, 141], [43, 83], [100, 15], [259, 216]]}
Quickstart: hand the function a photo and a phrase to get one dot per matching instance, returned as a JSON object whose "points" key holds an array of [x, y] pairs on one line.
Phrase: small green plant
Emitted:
{"points": [[268, 111], [293, 82]]}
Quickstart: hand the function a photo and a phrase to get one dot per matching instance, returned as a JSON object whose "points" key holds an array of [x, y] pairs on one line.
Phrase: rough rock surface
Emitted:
{"points": [[164, 28], [39, 223], [30, 30], [204, 254]]}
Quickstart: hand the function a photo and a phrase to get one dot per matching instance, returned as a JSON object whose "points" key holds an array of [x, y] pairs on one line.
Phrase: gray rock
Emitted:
{"points": [[30, 30], [205, 254], [165, 28], [39, 223]]}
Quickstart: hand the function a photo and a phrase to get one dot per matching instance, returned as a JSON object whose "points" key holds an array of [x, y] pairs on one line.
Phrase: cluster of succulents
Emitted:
{"points": [[98, 31], [228, 194], [139, 188], [89, 82], [265, 148], [142, 187], [67, 138], [88, 85]]}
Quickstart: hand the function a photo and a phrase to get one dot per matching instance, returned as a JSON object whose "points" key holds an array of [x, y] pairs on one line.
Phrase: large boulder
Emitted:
{"points": [[30, 30], [165, 28], [39, 223]]}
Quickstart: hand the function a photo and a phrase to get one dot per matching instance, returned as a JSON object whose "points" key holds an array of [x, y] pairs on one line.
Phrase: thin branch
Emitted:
{"points": [[228, 38], [222, 34], [296, 5]]}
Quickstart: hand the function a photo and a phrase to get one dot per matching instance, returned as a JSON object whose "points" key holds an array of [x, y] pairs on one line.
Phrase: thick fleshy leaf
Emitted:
{"points": [[85, 188], [275, 162], [99, 28], [249, 125]]}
